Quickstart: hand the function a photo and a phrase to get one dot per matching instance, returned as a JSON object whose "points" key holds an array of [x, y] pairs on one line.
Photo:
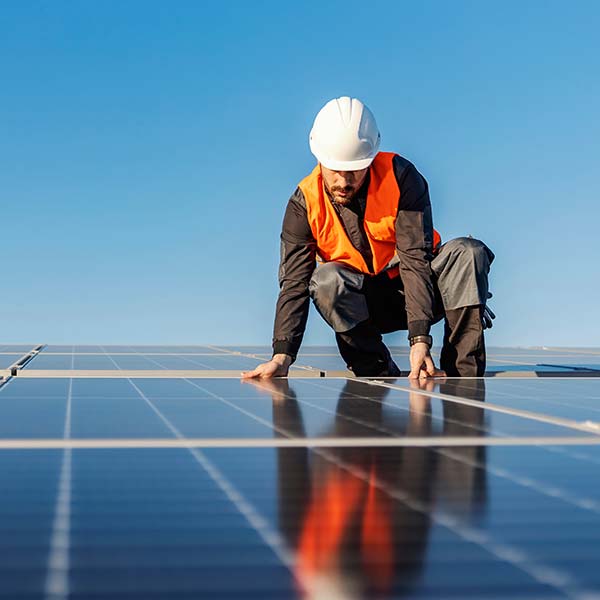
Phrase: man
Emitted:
{"points": [[366, 216]]}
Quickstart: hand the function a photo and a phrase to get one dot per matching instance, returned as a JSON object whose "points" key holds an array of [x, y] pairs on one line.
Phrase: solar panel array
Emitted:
{"points": [[155, 472]]}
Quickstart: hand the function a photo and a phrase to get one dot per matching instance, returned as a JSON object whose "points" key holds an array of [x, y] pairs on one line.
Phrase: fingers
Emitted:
{"points": [[250, 374], [414, 372], [429, 366], [422, 368], [266, 370], [260, 371]]}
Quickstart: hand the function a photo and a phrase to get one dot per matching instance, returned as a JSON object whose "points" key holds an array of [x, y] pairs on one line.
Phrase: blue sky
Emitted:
{"points": [[148, 150]]}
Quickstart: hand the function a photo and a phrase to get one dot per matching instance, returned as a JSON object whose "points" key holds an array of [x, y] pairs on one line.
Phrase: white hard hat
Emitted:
{"points": [[344, 136]]}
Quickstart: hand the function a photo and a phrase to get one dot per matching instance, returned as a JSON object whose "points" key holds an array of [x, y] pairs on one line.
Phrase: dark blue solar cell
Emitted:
{"points": [[577, 399]]}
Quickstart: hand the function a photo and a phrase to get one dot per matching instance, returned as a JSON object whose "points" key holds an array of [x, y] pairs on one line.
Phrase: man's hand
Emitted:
{"points": [[278, 366], [421, 363]]}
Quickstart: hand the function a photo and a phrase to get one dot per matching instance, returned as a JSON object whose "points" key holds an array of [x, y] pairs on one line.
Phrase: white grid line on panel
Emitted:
{"points": [[57, 578], [297, 442], [120, 373]]}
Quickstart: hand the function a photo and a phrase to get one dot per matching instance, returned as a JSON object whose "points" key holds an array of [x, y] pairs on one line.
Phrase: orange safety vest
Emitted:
{"points": [[383, 196]]}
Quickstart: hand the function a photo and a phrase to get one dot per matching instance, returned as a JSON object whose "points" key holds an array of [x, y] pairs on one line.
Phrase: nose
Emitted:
{"points": [[345, 177]]}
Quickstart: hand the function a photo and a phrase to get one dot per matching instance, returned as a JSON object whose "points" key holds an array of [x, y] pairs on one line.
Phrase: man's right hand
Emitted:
{"points": [[278, 366]]}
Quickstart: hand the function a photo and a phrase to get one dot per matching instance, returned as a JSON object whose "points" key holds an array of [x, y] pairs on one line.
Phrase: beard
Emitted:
{"points": [[345, 200]]}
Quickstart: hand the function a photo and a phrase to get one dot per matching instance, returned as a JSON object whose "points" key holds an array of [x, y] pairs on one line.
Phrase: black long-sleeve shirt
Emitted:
{"points": [[414, 249]]}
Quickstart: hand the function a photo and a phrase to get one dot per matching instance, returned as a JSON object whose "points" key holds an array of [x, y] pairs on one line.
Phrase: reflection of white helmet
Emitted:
{"points": [[345, 136]]}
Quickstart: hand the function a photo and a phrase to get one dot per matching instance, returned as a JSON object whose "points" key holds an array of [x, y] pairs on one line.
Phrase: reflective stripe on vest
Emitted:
{"points": [[379, 222]]}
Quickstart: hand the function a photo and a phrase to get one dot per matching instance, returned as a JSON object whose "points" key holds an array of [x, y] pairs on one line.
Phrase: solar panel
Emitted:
{"points": [[138, 361], [16, 348], [144, 481], [120, 349], [212, 358], [500, 360], [8, 359]]}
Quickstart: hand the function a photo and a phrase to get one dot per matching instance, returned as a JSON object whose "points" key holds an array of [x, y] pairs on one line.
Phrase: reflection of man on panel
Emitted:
{"points": [[351, 537], [366, 215]]}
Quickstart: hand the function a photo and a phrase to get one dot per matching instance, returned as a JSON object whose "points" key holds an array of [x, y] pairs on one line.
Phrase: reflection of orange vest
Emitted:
{"points": [[342, 503], [380, 218]]}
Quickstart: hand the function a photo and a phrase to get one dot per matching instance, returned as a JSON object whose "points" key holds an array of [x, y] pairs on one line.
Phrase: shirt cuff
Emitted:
{"points": [[285, 347], [418, 328]]}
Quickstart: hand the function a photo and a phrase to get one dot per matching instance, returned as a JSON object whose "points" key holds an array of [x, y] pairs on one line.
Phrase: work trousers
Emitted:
{"points": [[360, 308]]}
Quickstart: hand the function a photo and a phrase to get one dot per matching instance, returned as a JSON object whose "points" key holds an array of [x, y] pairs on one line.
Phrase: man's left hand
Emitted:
{"points": [[421, 363]]}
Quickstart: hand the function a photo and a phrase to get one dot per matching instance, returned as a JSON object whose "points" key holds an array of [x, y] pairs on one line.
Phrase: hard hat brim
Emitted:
{"points": [[347, 165]]}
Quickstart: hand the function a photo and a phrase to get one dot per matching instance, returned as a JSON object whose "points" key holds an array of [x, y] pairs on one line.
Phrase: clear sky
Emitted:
{"points": [[148, 149]]}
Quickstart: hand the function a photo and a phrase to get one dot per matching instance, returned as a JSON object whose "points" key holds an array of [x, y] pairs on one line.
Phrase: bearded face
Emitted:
{"points": [[342, 186]]}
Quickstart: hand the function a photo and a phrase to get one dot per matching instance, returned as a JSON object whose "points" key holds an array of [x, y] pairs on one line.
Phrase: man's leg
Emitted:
{"points": [[365, 353], [339, 294], [461, 269], [463, 350]]}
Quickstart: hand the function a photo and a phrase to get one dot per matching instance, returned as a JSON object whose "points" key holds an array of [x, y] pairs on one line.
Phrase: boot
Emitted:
{"points": [[365, 353]]}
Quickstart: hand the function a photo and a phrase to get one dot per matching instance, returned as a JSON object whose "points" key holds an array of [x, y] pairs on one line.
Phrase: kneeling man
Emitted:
{"points": [[365, 216]]}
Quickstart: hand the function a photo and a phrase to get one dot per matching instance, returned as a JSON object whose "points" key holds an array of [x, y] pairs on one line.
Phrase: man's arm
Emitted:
{"points": [[414, 246], [298, 255]]}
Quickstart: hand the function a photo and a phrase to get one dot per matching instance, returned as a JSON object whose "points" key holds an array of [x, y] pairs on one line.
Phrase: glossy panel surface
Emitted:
{"points": [[258, 523], [229, 408], [569, 398]]}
